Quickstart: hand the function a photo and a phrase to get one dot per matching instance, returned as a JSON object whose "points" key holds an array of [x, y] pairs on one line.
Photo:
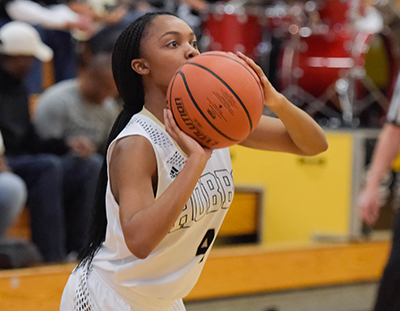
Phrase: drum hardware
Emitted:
{"points": [[374, 93], [233, 27], [311, 104], [328, 67], [344, 92], [310, 51]]}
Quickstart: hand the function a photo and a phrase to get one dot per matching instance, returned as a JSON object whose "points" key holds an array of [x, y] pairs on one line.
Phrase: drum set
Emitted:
{"points": [[333, 58]]}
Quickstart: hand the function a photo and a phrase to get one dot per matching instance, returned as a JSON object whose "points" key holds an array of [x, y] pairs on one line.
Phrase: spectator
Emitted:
{"points": [[14, 253], [55, 22], [81, 107], [40, 162], [13, 194]]}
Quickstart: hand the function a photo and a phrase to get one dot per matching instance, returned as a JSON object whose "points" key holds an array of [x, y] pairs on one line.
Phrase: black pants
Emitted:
{"points": [[389, 290]]}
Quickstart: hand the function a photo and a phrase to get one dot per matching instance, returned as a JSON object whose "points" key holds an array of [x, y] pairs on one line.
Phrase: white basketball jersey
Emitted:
{"points": [[172, 269]]}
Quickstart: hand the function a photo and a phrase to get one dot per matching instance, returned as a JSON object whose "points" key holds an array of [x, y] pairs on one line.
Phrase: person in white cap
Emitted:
{"points": [[19, 38], [55, 21], [40, 162]]}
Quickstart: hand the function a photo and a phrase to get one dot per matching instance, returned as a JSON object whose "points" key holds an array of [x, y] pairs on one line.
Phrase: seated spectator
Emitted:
{"points": [[84, 107], [58, 185], [14, 253], [13, 194]]}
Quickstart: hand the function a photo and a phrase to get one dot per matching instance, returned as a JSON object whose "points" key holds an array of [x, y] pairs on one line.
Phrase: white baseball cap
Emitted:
{"points": [[19, 38]]}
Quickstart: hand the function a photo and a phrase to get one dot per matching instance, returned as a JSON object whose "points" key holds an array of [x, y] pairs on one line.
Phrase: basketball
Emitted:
{"points": [[216, 98]]}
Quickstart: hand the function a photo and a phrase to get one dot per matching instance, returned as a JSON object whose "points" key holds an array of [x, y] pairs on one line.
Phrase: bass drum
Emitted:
{"points": [[314, 64], [333, 12], [232, 29]]}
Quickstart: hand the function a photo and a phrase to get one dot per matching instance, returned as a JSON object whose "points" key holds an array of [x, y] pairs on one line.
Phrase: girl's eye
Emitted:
{"points": [[194, 43], [173, 44]]}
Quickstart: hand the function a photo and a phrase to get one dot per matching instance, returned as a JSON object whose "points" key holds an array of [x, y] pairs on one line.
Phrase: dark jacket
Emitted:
{"points": [[18, 132]]}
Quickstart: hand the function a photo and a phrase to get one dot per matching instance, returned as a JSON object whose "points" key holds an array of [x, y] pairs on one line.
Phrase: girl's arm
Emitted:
{"points": [[133, 172], [294, 131]]}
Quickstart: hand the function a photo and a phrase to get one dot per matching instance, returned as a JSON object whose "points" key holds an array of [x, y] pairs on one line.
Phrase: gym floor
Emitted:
{"points": [[349, 297]]}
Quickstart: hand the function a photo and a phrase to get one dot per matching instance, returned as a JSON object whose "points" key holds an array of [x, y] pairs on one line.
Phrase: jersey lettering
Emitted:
{"points": [[200, 210], [213, 192], [185, 219], [225, 179]]}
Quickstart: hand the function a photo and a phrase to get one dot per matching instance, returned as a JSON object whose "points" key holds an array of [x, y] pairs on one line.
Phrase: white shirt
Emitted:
{"points": [[393, 114]]}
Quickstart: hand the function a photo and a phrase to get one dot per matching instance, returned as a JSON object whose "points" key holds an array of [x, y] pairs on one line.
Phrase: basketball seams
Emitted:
{"points": [[170, 100], [240, 95], [201, 111], [252, 73], [229, 88]]}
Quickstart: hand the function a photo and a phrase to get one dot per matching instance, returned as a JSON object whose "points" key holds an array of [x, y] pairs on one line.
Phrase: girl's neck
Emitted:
{"points": [[155, 102]]}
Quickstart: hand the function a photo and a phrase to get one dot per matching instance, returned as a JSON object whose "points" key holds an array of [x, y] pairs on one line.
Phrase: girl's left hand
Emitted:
{"points": [[187, 143], [272, 97]]}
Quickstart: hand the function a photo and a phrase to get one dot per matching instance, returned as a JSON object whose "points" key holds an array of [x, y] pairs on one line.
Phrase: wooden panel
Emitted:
{"points": [[34, 289], [33, 98], [48, 74], [250, 270], [21, 227], [242, 217], [228, 271]]}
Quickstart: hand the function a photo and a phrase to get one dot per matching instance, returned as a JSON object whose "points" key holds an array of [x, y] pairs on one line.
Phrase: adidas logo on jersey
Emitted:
{"points": [[174, 172]]}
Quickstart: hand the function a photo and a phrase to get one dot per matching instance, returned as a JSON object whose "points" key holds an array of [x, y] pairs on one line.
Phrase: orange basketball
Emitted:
{"points": [[216, 98]]}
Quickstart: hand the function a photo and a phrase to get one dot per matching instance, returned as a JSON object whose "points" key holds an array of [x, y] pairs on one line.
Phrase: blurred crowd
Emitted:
{"points": [[52, 137]]}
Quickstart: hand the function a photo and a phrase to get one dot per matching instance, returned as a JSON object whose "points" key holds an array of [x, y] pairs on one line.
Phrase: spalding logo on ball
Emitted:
{"points": [[216, 98]]}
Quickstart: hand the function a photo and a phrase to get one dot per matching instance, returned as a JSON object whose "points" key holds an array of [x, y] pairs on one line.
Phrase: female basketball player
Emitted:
{"points": [[162, 197]]}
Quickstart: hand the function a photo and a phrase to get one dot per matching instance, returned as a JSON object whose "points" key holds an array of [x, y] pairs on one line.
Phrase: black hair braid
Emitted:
{"points": [[130, 87]]}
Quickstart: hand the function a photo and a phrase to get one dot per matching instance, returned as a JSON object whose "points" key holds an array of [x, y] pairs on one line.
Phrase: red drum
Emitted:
{"points": [[316, 62], [278, 20], [231, 29], [334, 12]]}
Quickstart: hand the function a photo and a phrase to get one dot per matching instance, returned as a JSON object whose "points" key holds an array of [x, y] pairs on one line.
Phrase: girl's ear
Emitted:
{"points": [[140, 66]]}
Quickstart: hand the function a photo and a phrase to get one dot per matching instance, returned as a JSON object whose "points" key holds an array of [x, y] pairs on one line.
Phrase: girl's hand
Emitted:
{"points": [[187, 143], [272, 97]]}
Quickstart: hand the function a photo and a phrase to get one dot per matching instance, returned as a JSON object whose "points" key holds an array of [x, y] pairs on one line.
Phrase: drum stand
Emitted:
{"points": [[341, 92], [300, 97], [345, 90]]}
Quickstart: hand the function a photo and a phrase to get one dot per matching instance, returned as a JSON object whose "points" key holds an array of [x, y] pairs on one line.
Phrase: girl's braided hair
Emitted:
{"points": [[130, 88]]}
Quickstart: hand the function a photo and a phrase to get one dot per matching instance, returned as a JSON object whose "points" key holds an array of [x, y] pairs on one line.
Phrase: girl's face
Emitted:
{"points": [[168, 44]]}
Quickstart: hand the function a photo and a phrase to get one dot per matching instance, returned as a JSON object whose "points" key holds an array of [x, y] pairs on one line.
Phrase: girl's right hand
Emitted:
{"points": [[185, 142], [272, 97]]}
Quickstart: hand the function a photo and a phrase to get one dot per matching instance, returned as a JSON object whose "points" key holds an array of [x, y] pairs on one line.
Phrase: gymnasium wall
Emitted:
{"points": [[306, 197]]}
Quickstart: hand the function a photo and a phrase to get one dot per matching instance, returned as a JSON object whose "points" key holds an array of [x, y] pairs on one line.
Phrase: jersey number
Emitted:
{"points": [[205, 243]]}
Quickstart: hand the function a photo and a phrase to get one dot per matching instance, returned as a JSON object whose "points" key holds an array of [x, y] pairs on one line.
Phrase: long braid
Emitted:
{"points": [[130, 87]]}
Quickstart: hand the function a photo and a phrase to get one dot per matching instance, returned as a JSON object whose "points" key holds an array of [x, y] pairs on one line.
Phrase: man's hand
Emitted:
{"points": [[82, 145], [3, 164]]}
